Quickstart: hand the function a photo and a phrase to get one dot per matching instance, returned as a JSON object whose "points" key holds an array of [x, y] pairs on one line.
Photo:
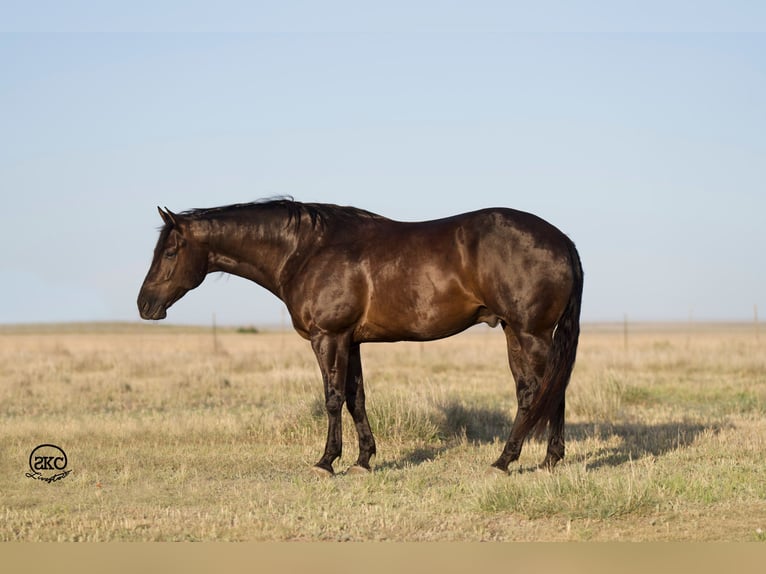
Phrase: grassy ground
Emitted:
{"points": [[171, 435]]}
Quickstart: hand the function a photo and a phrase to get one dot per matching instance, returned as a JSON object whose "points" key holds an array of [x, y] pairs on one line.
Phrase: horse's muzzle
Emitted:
{"points": [[151, 312]]}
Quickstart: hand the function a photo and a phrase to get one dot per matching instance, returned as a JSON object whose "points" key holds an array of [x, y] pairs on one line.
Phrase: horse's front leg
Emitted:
{"points": [[332, 353]]}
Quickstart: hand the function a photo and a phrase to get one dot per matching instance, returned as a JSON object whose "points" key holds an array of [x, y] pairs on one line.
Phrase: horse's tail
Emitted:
{"points": [[561, 357]]}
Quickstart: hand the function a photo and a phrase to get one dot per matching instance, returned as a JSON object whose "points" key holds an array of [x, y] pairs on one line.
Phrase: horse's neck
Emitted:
{"points": [[256, 252]]}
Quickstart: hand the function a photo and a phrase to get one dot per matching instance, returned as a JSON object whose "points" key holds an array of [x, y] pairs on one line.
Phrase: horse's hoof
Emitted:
{"points": [[357, 470], [494, 471], [547, 465], [321, 472]]}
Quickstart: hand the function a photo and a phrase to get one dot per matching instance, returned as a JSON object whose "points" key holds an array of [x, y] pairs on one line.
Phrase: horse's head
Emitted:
{"points": [[180, 264]]}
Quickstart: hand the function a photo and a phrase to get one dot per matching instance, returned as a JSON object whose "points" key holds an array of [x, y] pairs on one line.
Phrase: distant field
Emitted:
{"points": [[172, 434]]}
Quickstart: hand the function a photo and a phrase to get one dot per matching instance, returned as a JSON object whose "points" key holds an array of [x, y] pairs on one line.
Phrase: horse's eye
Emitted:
{"points": [[170, 254]]}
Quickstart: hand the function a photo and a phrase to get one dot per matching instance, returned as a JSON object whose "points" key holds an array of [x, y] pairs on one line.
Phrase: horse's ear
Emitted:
{"points": [[168, 217]]}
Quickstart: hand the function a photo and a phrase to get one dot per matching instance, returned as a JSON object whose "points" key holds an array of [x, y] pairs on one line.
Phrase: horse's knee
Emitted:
{"points": [[334, 404]]}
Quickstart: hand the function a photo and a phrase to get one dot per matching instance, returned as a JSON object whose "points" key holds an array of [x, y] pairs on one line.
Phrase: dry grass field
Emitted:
{"points": [[171, 435]]}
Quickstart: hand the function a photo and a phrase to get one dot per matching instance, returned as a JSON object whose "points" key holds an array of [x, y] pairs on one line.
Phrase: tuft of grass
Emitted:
{"points": [[598, 399], [574, 493], [399, 418]]}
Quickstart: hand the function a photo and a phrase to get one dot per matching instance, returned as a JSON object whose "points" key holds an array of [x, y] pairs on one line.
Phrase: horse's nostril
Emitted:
{"points": [[143, 306]]}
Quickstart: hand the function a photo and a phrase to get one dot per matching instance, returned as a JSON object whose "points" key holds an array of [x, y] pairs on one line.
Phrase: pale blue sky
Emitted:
{"points": [[639, 130]]}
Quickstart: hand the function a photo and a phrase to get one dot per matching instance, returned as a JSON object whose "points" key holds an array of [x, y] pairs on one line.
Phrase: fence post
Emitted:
{"points": [[625, 331], [215, 337]]}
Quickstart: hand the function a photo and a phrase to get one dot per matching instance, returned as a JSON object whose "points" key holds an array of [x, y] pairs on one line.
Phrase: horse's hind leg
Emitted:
{"points": [[556, 439], [527, 355], [355, 404]]}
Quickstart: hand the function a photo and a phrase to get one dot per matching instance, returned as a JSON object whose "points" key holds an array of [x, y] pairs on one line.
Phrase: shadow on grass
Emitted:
{"points": [[486, 426], [476, 424], [456, 423], [636, 440]]}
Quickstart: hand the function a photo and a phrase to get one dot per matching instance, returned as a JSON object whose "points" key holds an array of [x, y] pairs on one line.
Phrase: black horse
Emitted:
{"points": [[348, 276]]}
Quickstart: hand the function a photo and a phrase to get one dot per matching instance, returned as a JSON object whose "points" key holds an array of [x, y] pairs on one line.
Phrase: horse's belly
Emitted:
{"points": [[401, 318]]}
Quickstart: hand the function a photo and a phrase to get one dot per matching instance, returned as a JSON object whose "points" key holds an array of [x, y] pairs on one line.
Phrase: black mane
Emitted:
{"points": [[318, 213]]}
